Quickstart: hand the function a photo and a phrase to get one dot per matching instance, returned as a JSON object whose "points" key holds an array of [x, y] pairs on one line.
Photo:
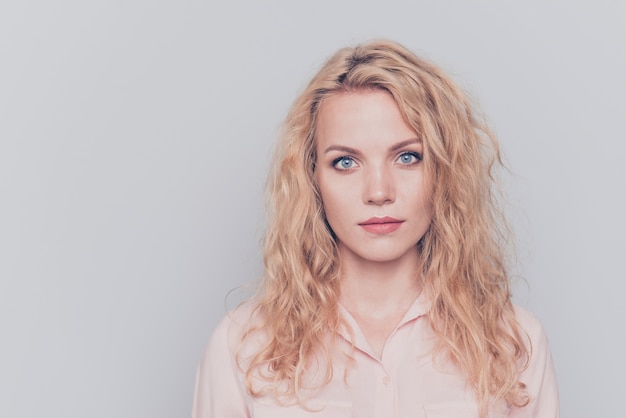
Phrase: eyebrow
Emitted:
{"points": [[403, 144], [341, 148], [354, 151]]}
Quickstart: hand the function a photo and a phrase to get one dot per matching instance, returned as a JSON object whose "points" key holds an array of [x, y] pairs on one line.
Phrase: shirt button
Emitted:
{"points": [[386, 380]]}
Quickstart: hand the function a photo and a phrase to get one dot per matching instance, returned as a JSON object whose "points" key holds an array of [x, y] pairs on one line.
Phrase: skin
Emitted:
{"points": [[370, 165]]}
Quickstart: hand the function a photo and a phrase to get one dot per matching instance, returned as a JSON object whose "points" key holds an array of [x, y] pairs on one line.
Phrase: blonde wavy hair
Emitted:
{"points": [[463, 252]]}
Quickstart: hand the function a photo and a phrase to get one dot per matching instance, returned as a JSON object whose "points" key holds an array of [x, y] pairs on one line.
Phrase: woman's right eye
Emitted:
{"points": [[343, 163]]}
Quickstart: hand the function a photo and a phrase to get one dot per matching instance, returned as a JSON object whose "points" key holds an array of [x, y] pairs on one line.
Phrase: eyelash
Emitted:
{"points": [[340, 159], [416, 155]]}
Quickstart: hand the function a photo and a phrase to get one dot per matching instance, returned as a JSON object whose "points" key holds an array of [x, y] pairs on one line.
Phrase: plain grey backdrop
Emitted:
{"points": [[134, 141]]}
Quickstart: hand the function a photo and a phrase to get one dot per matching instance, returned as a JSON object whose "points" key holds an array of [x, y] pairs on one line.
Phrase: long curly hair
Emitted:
{"points": [[463, 252]]}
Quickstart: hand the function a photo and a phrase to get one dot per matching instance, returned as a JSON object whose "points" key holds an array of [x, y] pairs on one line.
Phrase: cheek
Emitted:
{"points": [[328, 193], [426, 208], [325, 195], [334, 204], [425, 193], [332, 207]]}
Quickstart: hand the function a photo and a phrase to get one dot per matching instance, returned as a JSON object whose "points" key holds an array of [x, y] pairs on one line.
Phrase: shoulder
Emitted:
{"points": [[234, 327], [533, 332], [538, 374], [220, 385], [531, 326], [527, 321]]}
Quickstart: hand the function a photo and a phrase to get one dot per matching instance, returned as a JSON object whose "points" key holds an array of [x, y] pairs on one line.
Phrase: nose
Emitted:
{"points": [[379, 187]]}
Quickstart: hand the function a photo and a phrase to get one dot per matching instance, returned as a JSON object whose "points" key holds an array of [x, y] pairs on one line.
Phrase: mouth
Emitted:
{"points": [[383, 225]]}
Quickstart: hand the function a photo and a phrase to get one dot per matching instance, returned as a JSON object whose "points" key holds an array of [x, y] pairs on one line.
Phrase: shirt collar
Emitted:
{"points": [[419, 307]]}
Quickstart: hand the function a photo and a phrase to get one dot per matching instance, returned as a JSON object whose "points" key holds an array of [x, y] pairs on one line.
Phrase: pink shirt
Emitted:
{"points": [[404, 383]]}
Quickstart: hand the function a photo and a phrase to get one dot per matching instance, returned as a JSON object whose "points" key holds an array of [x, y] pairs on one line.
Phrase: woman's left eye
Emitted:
{"points": [[408, 158]]}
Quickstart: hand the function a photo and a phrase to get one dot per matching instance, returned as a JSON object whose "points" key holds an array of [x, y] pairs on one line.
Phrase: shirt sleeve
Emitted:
{"points": [[539, 377], [218, 391]]}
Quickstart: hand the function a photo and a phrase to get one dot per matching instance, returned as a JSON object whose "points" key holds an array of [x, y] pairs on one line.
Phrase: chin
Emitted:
{"points": [[387, 255]]}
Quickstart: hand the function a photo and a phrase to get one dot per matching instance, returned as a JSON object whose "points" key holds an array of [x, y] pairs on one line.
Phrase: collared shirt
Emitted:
{"points": [[405, 382]]}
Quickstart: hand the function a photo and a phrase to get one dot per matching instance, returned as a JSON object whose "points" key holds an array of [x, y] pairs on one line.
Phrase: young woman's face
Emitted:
{"points": [[371, 176]]}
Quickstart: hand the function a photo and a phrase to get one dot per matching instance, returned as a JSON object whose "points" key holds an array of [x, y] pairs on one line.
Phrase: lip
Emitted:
{"points": [[382, 225]]}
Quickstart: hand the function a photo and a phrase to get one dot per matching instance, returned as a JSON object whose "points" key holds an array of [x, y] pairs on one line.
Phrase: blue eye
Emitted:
{"points": [[409, 158], [343, 163]]}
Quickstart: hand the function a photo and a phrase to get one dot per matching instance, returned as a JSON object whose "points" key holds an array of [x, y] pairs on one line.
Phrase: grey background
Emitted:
{"points": [[134, 142]]}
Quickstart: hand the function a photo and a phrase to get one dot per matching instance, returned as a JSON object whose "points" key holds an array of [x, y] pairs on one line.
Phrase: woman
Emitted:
{"points": [[385, 291]]}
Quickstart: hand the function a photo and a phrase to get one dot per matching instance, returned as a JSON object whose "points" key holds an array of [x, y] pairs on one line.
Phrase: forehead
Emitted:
{"points": [[361, 118]]}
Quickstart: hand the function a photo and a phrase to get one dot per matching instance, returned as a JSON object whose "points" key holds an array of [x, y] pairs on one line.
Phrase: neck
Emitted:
{"points": [[379, 288]]}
